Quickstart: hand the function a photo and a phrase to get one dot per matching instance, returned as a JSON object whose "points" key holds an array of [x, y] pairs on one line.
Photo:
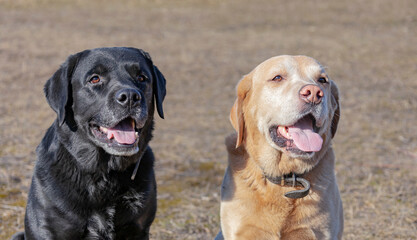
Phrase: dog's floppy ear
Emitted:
{"points": [[159, 85], [159, 90], [336, 106], [236, 113], [58, 90]]}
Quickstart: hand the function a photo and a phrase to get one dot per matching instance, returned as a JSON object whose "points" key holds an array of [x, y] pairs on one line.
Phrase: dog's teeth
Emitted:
{"points": [[103, 129], [136, 134], [281, 130]]}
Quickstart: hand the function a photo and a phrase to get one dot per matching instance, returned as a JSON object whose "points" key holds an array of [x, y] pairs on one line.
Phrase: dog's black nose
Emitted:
{"points": [[128, 97]]}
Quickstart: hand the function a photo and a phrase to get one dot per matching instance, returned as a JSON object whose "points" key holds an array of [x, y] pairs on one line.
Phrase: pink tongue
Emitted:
{"points": [[304, 137], [123, 133]]}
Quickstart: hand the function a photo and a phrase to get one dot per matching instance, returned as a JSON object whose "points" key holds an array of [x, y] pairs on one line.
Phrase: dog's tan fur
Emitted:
{"points": [[254, 208]]}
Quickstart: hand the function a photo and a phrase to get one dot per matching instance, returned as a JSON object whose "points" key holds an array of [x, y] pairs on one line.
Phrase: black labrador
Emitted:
{"points": [[85, 184]]}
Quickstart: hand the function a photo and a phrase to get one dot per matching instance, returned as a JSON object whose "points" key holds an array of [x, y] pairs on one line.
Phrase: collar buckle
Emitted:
{"points": [[292, 180]]}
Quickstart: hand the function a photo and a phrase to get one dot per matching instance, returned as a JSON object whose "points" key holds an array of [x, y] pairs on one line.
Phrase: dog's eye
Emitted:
{"points": [[95, 79], [322, 80], [141, 78], [278, 78]]}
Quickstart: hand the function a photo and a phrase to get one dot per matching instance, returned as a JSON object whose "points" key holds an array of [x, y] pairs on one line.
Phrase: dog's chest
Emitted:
{"points": [[112, 191], [123, 209], [266, 209]]}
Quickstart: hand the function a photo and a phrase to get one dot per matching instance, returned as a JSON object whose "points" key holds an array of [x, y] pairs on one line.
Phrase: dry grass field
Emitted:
{"points": [[203, 48]]}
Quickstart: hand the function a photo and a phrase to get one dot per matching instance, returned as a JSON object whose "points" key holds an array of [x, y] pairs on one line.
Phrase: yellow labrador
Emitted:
{"points": [[280, 181]]}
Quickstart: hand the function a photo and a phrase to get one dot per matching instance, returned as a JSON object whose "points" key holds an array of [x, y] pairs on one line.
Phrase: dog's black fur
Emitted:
{"points": [[82, 187]]}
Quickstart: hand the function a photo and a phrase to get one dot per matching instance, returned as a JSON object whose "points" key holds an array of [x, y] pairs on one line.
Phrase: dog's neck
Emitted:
{"points": [[272, 161], [269, 161], [256, 163]]}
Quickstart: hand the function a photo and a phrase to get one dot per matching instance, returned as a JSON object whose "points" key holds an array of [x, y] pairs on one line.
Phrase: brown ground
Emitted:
{"points": [[203, 48]]}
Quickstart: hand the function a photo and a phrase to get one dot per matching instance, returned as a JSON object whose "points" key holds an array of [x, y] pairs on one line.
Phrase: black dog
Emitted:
{"points": [[85, 184]]}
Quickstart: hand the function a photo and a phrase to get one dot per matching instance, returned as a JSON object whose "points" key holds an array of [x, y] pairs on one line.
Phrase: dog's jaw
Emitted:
{"points": [[276, 160], [120, 139], [281, 137]]}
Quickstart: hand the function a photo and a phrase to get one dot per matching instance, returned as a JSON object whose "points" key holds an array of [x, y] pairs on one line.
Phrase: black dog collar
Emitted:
{"points": [[291, 180], [142, 151]]}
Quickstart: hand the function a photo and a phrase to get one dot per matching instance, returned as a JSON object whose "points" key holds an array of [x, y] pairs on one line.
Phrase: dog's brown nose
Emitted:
{"points": [[311, 94]]}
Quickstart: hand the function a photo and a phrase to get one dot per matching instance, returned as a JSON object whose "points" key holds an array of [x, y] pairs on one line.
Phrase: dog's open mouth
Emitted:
{"points": [[298, 138], [124, 133]]}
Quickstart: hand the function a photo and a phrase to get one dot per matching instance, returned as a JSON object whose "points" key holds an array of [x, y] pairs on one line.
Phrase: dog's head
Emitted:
{"points": [[107, 95], [288, 104]]}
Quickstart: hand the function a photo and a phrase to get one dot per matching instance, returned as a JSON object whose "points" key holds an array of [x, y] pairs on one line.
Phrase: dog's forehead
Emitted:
{"points": [[308, 66], [303, 66], [112, 58]]}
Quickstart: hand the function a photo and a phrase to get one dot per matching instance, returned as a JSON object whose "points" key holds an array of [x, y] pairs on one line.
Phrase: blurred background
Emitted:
{"points": [[204, 47]]}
